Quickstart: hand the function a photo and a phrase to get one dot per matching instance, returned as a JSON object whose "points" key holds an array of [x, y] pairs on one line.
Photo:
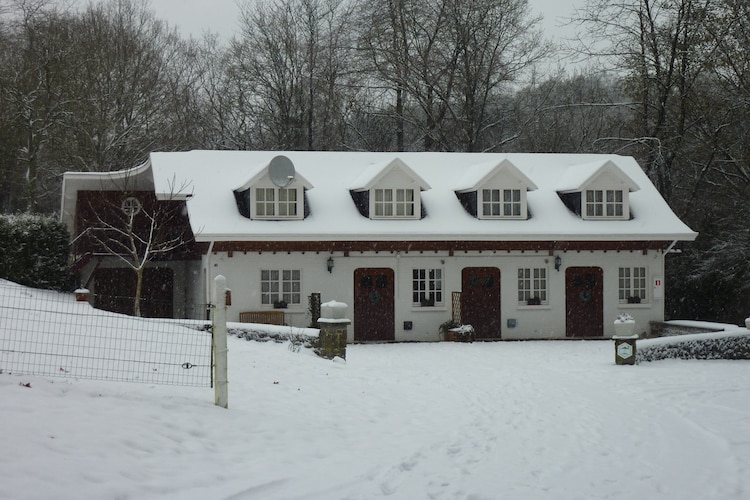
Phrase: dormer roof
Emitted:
{"points": [[578, 178], [376, 173], [259, 172], [494, 173]]}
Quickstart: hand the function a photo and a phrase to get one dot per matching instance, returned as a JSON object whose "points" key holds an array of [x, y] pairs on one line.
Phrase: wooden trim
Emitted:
{"points": [[452, 247]]}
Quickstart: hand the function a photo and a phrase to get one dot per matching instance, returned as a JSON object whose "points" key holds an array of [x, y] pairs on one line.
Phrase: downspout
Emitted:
{"points": [[207, 276]]}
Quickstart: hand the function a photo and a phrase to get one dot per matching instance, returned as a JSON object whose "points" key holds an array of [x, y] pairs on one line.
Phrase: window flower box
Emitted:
{"points": [[279, 304], [427, 302]]}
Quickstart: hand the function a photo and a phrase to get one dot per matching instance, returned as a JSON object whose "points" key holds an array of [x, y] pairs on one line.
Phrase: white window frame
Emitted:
{"points": [[284, 203], [605, 204], [280, 285], [502, 203], [427, 285], [131, 206], [394, 203], [632, 281], [533, 282]]}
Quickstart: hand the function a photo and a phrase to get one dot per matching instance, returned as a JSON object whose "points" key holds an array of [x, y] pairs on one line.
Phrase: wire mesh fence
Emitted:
{"points": [[48, 333]]}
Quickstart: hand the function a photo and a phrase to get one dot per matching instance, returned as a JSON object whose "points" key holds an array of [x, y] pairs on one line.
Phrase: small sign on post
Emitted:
{"points": [[625, 349]]}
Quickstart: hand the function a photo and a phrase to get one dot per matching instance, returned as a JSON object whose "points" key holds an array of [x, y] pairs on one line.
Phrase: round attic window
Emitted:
{"points": [[131, 206]]}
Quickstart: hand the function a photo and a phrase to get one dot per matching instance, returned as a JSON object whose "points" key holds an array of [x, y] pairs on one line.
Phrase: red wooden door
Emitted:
{"points": [[480, 301], [373, 305], [584, 302]]}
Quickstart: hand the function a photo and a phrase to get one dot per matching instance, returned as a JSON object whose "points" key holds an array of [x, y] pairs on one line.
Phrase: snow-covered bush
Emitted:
{"points": [[296, 336], [34, 251], [624, 318], [734, 347]]}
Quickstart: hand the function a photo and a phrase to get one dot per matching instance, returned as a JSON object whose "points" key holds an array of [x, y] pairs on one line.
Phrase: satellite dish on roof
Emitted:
{"points": [[281, 171]]}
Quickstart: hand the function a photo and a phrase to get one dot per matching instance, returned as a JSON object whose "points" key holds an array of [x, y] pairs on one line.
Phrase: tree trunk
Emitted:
{"points": [[138, 289]]}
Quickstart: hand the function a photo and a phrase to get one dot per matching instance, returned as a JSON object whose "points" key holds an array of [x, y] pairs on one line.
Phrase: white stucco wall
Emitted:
{"points": [[242, 271]]}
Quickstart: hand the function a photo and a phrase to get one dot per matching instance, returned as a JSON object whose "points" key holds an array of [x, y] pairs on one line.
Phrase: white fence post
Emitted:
{"points": [[221, 391]]}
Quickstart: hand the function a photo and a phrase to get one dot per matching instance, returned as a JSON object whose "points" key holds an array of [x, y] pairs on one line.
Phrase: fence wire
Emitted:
{"points": [[51, 334]]}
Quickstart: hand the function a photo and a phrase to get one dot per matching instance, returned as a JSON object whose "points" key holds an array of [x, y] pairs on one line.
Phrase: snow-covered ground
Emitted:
{"points": [[515, 420]]}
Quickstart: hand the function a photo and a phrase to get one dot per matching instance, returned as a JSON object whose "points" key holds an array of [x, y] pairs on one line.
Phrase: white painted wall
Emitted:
{"points": [[532, 322]]}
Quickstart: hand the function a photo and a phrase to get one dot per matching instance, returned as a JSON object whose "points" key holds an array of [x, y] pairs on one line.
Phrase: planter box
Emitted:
{"points": [[459, 335], [624, 328]]}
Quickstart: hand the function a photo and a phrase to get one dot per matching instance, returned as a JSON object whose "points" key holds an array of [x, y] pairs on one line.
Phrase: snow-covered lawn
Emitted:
{"points": [[522, 420], [515, 420]]}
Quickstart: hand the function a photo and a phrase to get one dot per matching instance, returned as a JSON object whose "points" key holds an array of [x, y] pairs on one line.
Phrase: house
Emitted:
{"points": [[520, 246]]}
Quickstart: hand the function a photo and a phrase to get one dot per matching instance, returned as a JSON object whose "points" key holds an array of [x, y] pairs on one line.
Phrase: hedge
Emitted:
{"points": [[730, 347], [34, 251]]}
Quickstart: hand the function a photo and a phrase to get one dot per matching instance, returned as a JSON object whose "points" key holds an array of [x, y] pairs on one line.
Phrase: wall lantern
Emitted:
{"points": [[329, 263], [558, 263]]}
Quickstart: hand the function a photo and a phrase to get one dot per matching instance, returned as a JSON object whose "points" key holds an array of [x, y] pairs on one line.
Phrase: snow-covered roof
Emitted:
{"points": [[478, 175], [138, 178], [213, 175], [375, 172], [257, 172], [578, 177]]}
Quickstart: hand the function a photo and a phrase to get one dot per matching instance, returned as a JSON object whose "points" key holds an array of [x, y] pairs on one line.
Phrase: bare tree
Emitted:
{"points": [[135, 228], [568, 113], [446, 65], [125, 85], [290, 68], [662, 49], [33, 89]]}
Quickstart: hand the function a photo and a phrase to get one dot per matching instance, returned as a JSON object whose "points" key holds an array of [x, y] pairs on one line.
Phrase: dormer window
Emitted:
{"points": [[597, 191], [275, 203], [389, 190], [274, 191], [501, 203], [495, 191], [604, 203], [394, 203]]}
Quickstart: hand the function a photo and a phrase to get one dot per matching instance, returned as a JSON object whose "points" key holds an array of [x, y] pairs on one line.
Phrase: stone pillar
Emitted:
{"points": [[333, 330]]}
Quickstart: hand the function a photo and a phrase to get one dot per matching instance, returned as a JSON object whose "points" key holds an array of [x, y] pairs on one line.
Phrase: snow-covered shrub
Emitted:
{"points": [[260, 334], [624, 318], [736, 347], [34, 251]]}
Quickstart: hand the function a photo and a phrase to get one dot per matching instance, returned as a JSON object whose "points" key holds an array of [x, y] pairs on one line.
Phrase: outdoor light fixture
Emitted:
{"points": [[329, 263], [558, 263]]}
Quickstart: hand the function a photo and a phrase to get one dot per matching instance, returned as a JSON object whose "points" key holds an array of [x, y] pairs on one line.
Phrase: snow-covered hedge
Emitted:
{"points": [[717, 347], [34, 251], [302, 337]]}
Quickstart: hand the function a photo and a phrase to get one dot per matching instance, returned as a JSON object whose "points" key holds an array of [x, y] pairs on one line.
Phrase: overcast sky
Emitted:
{"points": [[220, 16]]}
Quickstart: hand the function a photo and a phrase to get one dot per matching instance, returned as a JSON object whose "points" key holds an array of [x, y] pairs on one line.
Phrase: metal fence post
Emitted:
{"points": [[221, 392]]}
